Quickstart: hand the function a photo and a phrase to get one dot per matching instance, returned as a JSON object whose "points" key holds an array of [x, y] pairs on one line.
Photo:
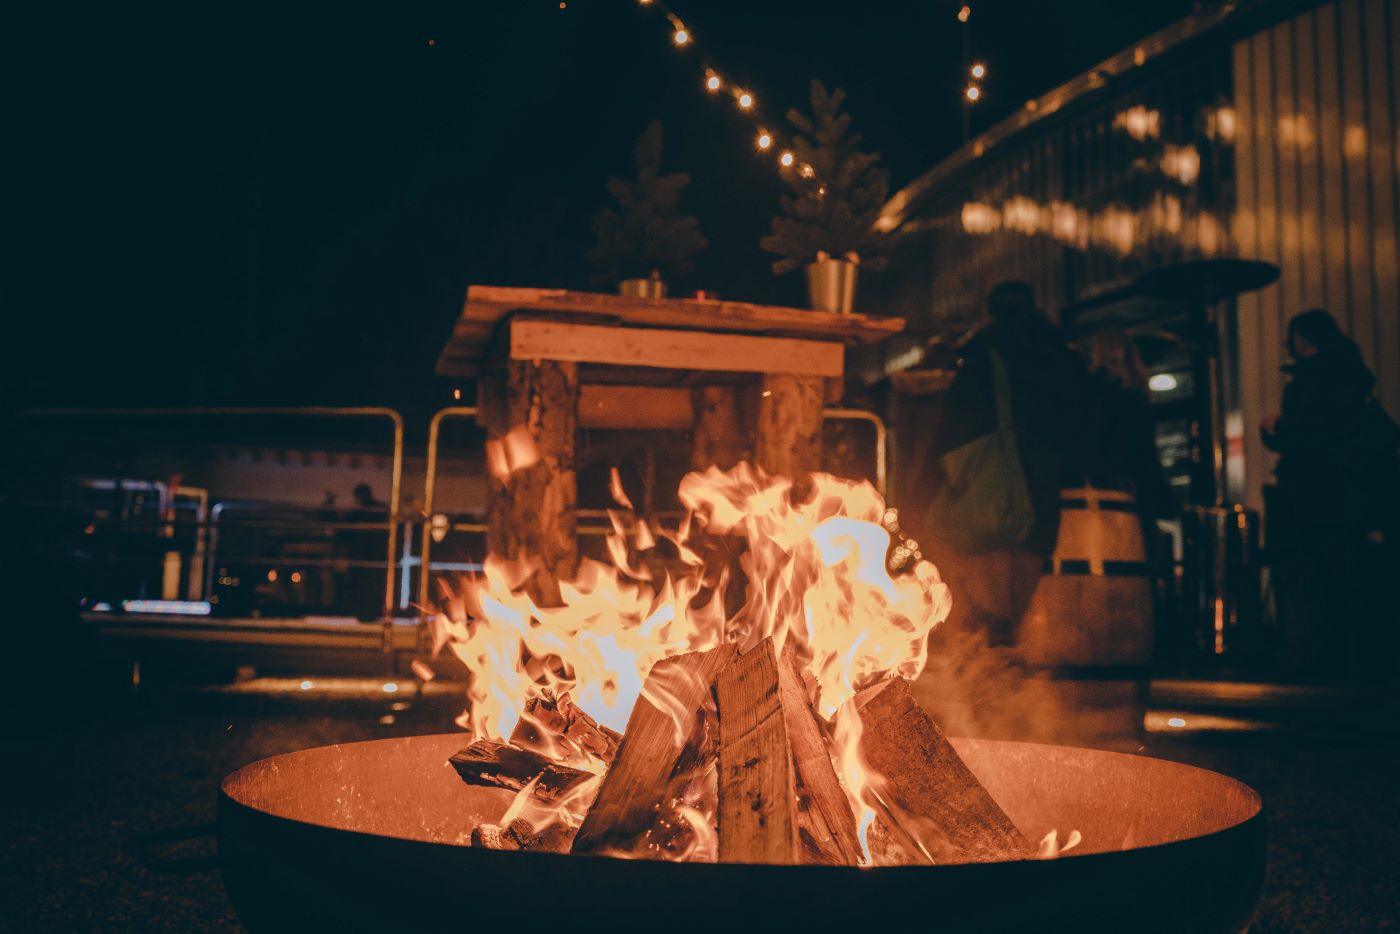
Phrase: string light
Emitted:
{"points": [[979, 70], [766, 140], [973, 92]]}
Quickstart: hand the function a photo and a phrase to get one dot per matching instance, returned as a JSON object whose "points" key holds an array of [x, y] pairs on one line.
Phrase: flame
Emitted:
{"points": [[1050, 844], [815, 575]]}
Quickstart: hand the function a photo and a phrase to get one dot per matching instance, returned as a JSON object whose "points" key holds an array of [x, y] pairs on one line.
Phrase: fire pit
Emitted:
{"points": [[657, 754], [375, 835]]}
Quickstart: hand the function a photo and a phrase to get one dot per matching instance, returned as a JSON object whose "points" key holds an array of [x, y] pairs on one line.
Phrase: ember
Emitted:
{"points": [[782, 732]]}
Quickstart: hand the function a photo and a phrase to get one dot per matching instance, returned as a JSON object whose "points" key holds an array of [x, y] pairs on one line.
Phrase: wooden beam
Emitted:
{"points": [[675, 350], [634, 407], [651, 748], [757, 785]]}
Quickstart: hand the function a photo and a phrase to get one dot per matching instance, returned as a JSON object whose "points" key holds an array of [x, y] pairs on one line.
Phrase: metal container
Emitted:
{"points": [[831, 285], [372, 836]]}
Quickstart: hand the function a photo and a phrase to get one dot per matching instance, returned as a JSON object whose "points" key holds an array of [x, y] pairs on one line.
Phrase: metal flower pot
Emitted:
{"points": [[831, 285]]}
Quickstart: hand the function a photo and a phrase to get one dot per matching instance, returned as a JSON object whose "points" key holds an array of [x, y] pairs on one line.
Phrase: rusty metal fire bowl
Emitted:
{"points": [[375, 835]]}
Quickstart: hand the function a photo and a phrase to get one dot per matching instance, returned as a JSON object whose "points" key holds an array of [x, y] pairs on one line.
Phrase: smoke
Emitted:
{"points": [[979, 690]]}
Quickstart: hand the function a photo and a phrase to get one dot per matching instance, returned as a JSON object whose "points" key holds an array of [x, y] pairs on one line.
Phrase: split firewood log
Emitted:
{"points": [[826, 826], [936, 798], [556, 726], [663, 725], [501, 765], [521, 835], [758, 820]]}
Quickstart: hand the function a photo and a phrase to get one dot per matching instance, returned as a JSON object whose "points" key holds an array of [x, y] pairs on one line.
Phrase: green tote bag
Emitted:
{"points": [[984, 503]]}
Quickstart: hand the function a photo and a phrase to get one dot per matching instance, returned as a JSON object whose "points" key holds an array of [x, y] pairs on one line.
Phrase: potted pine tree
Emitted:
{"points": [[826, 222], [645, 241]]}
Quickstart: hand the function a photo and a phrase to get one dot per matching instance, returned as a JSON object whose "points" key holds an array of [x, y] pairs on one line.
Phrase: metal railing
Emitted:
{"points": [[209, 524], [881, 441], [396, 475]]}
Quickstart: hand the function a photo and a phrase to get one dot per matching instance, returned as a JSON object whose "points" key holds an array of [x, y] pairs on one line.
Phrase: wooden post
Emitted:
{"points": [[532, 505], [788, 441], [717, 433]]}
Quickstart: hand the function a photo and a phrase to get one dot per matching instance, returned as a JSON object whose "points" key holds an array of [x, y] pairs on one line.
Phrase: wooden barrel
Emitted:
{"points": [[1089, 624]]}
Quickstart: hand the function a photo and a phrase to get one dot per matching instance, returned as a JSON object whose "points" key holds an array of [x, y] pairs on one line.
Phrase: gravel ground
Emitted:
{"points": [[91, 784]]}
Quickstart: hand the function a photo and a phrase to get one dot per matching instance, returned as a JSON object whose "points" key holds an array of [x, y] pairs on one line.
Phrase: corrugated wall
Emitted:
{"points": [[1317, 181]]}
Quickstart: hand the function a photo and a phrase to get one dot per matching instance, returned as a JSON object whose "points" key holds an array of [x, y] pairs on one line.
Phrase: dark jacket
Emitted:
{"points": [[1122, 455], [1049, 400], [1334, 441]]}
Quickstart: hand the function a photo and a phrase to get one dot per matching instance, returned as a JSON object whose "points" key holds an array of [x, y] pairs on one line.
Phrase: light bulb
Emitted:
{"points": [[764, 141], [785, 159], [746, 100], [682, 37], [973, 93], [979, 70], [965, 13], [712, 82]]}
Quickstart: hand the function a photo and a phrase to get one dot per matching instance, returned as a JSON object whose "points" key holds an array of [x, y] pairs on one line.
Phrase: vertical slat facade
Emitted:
{"points": [[1277, 140], [1316, 182]]}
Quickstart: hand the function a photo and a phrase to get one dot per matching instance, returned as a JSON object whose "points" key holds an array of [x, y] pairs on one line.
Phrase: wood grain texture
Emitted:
{"points": [[658, 731], [501, 765], [718, 437], [558, 728], [673, 349], [757, 786], [941, 800], [788, 439], [532, 509], [655, 407], [826, 827]]}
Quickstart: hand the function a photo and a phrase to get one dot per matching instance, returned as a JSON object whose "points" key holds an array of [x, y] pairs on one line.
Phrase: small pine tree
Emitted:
{"points": [[646, 231], [834, 211]]}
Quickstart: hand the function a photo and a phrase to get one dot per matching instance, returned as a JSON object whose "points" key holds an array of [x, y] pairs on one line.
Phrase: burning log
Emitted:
{"points": [[758, 819], [501, 765], [952, 814], [663, 723], [549, 723], [826, 826], [521, 835]]}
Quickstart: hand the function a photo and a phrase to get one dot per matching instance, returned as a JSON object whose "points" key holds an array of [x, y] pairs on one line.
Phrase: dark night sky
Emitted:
{"points": [[246, 203]]}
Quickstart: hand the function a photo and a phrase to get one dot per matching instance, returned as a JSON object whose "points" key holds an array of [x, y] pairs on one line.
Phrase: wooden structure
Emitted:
{"points": [[749, 381]]}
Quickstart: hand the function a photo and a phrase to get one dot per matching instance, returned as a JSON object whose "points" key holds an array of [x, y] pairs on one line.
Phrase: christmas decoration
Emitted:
{"points": [[836, 190], [646, 232]]}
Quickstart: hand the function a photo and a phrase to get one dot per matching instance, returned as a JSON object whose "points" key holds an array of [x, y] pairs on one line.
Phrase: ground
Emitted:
{"points": [[100, 785]]}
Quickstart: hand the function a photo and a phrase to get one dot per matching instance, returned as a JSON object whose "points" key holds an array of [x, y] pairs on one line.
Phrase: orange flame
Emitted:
{"points": [[816, 575]]}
